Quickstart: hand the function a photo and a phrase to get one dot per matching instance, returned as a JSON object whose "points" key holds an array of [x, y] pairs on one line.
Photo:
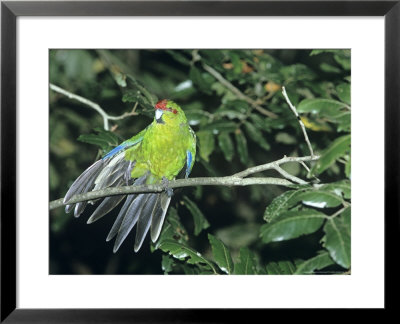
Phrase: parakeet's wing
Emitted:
{"points": [[145, 210], [112, 170]]}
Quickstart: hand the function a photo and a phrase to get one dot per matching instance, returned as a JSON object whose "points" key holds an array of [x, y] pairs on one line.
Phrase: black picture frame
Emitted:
{"points": [[10, 10]]}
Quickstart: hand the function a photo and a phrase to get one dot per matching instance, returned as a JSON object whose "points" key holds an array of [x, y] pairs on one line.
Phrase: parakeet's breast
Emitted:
{"points": [[164, 148]]}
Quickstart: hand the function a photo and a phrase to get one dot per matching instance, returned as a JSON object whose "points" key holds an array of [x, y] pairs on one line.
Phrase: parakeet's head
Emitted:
{"points": [[168, 111]]}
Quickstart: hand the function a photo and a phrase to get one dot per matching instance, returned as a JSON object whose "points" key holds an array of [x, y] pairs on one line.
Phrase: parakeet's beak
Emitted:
{"points": [[159, 114]]}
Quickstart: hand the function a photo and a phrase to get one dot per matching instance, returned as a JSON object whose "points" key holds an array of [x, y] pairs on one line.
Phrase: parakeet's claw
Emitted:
{"points": [[165, 182]]}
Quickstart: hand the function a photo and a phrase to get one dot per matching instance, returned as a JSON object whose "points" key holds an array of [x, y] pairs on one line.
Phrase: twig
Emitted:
{"points": [[234, 180], [308, 170], [273, 165], [95, 106], [293, 108], [287, 175], [338, 212], [237, 92]]}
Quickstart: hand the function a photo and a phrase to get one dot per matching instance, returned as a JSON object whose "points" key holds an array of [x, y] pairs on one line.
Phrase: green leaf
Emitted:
{"points": [[241, 143], [337, 149], [318, 262], [167, 263], [285, 138], [226, 145], [292, 224], [329, 68], [238, 235], [339, 188], [237, 64], [112, 138], [273, 268], [206, 143], [346, 218], [196, 117], [337, 241], [184, 253], [230, 114], [256, 135], [287, 267], [246, 263], [347, 168], [179, 56], [320, 51], [297, 72], [106, 140], [279, 205], [343, 121], [259, 122], [281, 268], [130, 96], [199, 81], [183, 90], [200, 222], [343, 91], [220, 126], [173, 228], [134, 96], [94, 139], [240, 106], [223, 92], [319, 199], [196, 269], [343, 58], [120, 79], [325, 107], [221, 254], [145, 96], [319, 196], [213, 57], [277, 123]]}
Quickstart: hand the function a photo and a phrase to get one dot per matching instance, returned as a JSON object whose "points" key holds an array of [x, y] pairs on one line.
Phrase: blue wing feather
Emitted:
{"points": [[189, 161], [121, 147]]}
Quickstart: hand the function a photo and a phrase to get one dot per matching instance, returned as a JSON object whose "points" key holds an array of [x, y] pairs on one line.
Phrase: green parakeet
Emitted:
{"points": [[161, 152]]}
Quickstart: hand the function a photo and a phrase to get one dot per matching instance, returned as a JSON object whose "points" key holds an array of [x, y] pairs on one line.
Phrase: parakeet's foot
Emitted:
{"points": [[168, 190]]}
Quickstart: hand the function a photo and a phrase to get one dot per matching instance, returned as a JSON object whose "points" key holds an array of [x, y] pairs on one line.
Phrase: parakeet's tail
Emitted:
{"points": [[147, 210]]}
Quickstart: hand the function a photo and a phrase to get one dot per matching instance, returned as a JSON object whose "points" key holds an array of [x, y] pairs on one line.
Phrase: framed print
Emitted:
{"points": [[226, 154]]}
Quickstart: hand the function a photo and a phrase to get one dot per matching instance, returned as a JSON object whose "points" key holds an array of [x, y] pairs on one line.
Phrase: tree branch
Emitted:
{"points": [[303, 128], [237, 92], [93, 105], [234, 180]]}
